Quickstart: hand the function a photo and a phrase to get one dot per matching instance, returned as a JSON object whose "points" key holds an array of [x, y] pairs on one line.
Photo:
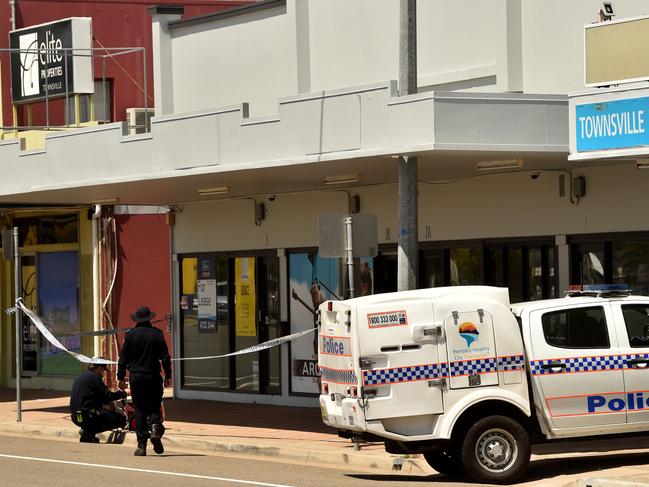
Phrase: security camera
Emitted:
{"points": [[272, 197], [607, 12], [535, 175]]}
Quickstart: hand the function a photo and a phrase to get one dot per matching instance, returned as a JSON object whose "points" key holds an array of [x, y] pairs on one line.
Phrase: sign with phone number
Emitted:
{"points": [[388, 318]]}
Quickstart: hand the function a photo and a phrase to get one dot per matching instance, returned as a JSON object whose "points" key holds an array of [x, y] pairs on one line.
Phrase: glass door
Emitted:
{"points": [[269, 323], [256, 303]]}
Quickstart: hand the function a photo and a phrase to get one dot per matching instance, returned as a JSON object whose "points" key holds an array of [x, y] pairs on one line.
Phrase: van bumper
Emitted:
{"points": [[345, 414]]}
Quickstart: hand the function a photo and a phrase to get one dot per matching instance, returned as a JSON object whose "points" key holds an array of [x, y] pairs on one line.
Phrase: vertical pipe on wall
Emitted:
{"points": [[12, 10], [95, 279]]}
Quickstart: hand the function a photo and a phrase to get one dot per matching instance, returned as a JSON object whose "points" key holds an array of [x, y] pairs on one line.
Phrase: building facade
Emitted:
{"points": [[86, 266], [249, 146]]}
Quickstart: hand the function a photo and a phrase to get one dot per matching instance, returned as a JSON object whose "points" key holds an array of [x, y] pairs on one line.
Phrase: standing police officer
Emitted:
{"points": [[87, 400], [144, 348]]}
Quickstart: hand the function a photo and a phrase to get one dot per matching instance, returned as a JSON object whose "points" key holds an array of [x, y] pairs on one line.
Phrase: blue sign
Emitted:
{"points": [[612, 125]]}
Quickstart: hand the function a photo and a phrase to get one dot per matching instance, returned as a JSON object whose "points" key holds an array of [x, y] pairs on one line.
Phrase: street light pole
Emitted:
{"points": [[19, 347], [408, 206]]}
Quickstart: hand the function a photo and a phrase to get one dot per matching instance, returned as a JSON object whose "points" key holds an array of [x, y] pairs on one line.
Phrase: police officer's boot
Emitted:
{"points": [[157, 430], [141, 450]]}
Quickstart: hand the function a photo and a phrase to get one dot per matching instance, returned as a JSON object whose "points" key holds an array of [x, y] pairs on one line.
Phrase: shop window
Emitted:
{"points": [[465, 266], [631, 265], [205, 320], [385, 273], [432, 268], [45, 230], [515, 278], [57, 275], [576, 328], [312, 281], [101, 99]]}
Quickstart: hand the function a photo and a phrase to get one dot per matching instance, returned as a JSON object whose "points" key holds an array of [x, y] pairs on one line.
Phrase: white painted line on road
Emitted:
{"points": [[144, 470]]}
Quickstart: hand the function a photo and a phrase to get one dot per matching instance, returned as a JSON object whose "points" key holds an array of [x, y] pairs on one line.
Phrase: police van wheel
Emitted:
{"points": [[495, 449], [444, 462]]}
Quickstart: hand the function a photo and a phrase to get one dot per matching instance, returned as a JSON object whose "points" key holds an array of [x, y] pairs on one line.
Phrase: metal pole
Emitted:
{"points": [[349, 249], [105, 116], [408, 233], [146, 93], [67, 98], [19, 348]]}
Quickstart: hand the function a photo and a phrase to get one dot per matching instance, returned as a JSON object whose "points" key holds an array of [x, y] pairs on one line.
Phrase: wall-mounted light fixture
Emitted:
{"points": [[497, 165], [642, 164], [260, 213], [212, 191], [105, 201], [341, 179]]}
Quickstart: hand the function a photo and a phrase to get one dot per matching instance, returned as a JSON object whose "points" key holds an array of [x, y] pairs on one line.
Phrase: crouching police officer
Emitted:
{"points": [[87, 400]]}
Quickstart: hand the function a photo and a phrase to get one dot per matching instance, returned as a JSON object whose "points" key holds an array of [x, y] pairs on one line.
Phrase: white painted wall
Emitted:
{"points": [[358, 42], [249, 58], [553, 41], [492, 206], [311, 45]]}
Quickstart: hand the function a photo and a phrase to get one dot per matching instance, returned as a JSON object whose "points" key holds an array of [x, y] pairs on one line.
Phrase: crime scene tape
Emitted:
{"points": [[95, 360], [255, 348], [52, 339]]}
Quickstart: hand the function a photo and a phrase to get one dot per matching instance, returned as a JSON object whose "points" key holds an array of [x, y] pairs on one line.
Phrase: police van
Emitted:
{"points": [[470, 381]]}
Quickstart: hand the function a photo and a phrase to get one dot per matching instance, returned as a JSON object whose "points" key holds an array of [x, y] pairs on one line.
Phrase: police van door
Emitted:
{"points": [[472, 358], [632, 326], [575, 367], [400, 360]]}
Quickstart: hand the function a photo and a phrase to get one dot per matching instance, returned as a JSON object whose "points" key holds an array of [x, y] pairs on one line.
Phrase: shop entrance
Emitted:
{"points": [[228, 303], [256, 312]]}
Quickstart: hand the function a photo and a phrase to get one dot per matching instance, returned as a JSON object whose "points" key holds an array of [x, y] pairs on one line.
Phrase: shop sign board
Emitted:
{"points": [[42, 65], [617, 124], [332, 235]]}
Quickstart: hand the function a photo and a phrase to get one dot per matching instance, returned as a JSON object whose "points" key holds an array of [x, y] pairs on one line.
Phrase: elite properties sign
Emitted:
{"points": [[51, 60]]}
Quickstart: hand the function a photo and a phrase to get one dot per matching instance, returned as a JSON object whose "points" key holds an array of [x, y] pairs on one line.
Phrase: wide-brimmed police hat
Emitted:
{"points": [[143, 313]]}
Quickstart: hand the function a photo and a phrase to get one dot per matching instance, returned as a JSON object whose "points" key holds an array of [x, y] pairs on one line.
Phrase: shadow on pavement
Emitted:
{"points": [[248, 415], [302, 419], [538, 470]]}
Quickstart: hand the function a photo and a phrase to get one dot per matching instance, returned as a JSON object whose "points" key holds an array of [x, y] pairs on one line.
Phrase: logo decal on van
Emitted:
{"points": [[469, 332]]}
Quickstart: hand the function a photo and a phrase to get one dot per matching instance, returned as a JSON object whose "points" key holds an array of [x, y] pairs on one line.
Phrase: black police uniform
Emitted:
{"points": [[87, 400], [144, 348]]}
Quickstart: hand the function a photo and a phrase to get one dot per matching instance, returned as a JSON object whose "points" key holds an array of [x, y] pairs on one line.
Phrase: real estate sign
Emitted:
{"points": [[51, 60]]}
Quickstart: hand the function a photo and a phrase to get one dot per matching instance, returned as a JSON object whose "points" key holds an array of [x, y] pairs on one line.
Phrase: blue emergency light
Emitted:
{"points": [[598, 289]]}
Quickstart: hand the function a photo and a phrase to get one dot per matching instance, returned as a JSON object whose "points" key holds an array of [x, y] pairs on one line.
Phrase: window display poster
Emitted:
{"points": [[206, 305], [245, 297], [189, 275], [313, 280], [30, 333], [58, 291]]}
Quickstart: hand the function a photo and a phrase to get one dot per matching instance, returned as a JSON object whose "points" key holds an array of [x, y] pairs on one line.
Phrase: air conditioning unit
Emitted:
{"points": [[139, 120]]}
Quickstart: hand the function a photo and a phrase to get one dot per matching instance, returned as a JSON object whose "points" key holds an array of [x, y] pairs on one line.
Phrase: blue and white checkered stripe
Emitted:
{"points": [[478, 366], [337, 375], [404, 374], [641, 356], [507, 364], [583, 364]]}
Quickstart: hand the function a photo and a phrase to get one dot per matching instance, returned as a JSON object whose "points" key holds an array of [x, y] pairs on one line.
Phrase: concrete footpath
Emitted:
{"points": [[298, 435]]}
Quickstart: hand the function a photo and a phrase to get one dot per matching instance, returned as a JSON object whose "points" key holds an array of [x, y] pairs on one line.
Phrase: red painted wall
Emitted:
{"points": [[115, 23], [143, 273]]}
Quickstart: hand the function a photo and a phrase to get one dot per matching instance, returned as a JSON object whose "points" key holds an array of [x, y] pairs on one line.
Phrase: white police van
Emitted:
{"points": [[471, 382]]}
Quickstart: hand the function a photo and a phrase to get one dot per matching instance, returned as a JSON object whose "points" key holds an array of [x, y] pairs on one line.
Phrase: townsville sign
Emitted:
{"points": [[615, 124]]}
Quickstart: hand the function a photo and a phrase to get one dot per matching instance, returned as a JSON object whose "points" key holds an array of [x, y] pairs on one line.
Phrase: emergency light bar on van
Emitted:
{"points": [[598, 290]]}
